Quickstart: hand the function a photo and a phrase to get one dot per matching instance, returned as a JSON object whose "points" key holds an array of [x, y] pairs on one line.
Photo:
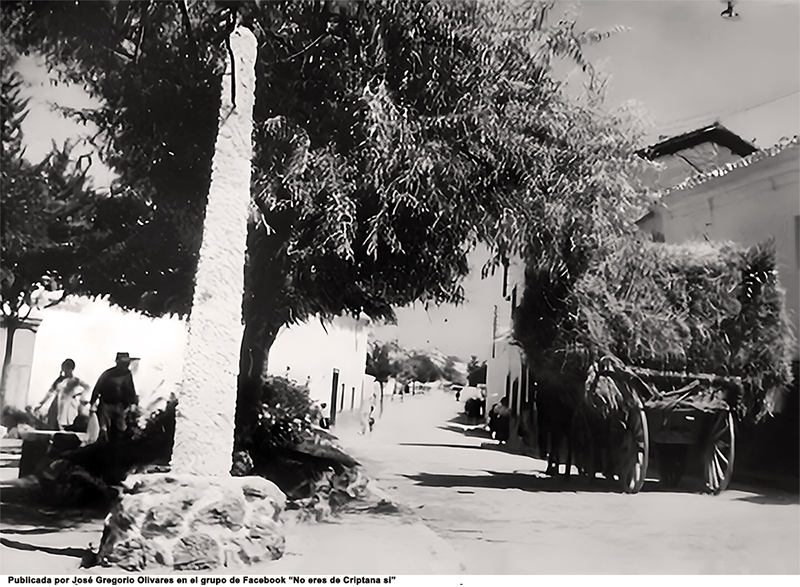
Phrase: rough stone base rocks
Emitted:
{"points": [[193, 523]]}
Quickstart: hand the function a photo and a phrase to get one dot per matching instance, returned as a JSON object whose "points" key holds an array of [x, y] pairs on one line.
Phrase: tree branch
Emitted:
{"points": [[187, 23], [303, 50], [59, 300], [142, 26]]}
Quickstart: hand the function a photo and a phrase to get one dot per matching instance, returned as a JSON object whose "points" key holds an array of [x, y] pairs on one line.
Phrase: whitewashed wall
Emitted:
{"points": [[92, 332], [506, 362], [311, 350]]}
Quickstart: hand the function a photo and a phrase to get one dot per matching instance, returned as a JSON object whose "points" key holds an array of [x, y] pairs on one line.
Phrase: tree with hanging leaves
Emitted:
{"points": [[389, 137]]}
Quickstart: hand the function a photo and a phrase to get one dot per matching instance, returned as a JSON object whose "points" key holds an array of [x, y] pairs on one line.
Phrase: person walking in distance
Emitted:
{"points": [[113, 396], [367, 409]]}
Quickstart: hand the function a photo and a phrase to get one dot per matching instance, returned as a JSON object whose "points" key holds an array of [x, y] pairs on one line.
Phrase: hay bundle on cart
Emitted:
{"points": [[701, 307], [690, 329]]}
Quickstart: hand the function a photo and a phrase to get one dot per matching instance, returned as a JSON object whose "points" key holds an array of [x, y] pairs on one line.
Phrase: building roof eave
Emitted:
{"points": [[700, 178], [715, 133]]}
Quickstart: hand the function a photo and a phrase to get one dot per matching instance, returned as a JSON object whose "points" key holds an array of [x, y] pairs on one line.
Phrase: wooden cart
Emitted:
{"points": [[631, 413]]}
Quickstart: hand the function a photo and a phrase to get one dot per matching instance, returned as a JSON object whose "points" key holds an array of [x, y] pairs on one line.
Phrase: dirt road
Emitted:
{"points": [[502, 515]]}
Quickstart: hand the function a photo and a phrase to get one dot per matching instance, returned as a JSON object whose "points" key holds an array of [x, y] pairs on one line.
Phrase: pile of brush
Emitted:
{"points": [[699, 308]]}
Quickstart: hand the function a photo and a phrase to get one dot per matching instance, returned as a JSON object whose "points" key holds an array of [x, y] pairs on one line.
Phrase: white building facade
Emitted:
{"points": [[331, 358], [91, 332]]}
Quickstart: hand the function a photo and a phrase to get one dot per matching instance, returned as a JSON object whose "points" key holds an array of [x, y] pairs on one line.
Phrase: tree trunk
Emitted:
{"points": [[264, 314], [257, 340], [205, 414]]}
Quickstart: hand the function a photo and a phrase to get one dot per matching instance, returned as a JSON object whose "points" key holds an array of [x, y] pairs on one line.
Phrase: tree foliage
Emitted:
{"points": [[391, 136], [387, 360], [423, 369], [428, 124], [476, 371], [379, 362], [451, 373], [38, 239], [53, 223], [157, 126]]}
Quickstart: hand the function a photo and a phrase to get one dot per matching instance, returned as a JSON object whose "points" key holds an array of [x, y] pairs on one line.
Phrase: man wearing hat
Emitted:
{"points": [[113, 395]]}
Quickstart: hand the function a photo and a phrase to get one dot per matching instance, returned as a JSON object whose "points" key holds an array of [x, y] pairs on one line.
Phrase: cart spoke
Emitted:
{"points": [[721, 467], [713, 481], [720, 453], [634, 450]]}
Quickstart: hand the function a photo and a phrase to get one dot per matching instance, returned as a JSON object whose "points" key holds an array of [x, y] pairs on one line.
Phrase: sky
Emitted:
{"points": [[45, 124], [680, 60], [688, 66]]}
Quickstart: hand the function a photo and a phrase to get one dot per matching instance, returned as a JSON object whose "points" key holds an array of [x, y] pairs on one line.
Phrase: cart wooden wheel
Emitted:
{"points": [[719, 454], [635, 450]]}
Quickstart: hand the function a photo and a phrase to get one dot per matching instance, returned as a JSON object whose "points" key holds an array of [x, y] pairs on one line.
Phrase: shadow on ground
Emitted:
{"points": [[539, 482], [442, 445], [769, 491], [780, 499], [524, 481], [45, 520], [478, 431], [22, 505], [465, 420], [84, 554]]}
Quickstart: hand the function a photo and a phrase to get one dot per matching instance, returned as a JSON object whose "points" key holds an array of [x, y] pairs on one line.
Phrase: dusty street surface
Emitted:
{"points": [[502, 515], [484, 512]]}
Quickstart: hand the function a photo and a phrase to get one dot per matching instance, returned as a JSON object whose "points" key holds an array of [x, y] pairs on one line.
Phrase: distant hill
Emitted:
{"points": [[453, 367], [441, 360]]}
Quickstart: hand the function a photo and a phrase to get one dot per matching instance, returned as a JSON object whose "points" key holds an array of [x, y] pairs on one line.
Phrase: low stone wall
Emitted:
{"points": [[192, 523]]}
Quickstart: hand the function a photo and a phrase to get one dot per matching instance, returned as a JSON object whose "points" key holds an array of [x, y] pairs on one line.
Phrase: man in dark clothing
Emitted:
{"points": [[499, 420], [112, 397]]}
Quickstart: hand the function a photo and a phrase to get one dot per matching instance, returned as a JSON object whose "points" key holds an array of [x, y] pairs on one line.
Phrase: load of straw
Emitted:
{"points": [[700, 308]]}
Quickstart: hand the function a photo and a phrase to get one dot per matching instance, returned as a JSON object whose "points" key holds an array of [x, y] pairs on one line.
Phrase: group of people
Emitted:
{"points": [[103, 413]]}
